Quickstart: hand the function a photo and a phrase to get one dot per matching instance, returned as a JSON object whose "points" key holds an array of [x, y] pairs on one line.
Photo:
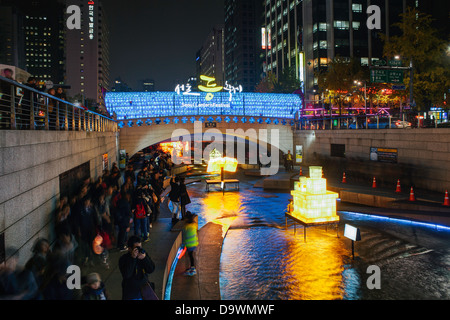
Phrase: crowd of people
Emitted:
{"points": [[88, 225], [23, 101]]}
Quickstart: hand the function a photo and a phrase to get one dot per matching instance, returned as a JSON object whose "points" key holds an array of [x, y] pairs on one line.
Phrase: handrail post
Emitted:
{"points": [[66, 120], [57, 116], [32, 126], [46, 114], [79, 119], [12, 114]]}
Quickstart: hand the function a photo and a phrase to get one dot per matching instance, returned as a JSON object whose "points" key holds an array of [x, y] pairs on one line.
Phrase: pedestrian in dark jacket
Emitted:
{"points": [[124, 219], [157, 187], [87, 231], [135, 266], [184, 197], [174, 197]]}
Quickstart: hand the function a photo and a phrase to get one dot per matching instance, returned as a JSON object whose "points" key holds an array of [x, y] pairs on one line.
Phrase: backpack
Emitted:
{"points": [[140, 211]]}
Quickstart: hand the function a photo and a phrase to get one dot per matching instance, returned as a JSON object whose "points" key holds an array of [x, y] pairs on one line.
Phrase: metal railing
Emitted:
{"points": [[24, 108], [351, 122]]}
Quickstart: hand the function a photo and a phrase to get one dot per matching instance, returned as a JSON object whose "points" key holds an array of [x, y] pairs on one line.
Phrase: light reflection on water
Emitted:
{"points": [[263, 261]]}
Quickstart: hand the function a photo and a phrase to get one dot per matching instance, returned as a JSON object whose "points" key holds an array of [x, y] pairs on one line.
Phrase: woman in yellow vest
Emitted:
{"points": [[190, 240]]}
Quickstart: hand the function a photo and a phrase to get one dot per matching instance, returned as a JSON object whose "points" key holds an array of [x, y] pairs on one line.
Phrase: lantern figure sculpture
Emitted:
{"points": [[219, 164], [313, 203]]}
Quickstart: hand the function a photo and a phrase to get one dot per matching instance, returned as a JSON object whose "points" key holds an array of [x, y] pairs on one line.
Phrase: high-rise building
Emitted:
{"points": [[120, 86], [148, 85], [309, 34], [87, 57], [242, 43], [210, 58], [33, 32], [12, 50]]}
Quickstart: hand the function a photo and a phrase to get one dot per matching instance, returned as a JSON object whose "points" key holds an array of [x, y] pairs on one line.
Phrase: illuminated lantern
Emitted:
{"points": [[217, 163], [97, 244], [230, 165], [313, 203]]}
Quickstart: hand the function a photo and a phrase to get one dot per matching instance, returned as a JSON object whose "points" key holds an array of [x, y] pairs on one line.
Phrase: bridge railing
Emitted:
{"points": [[24, 108], [351, 122]]}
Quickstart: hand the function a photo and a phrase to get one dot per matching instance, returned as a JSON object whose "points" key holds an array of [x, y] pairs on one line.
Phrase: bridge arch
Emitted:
{"points": [[135, 138]]}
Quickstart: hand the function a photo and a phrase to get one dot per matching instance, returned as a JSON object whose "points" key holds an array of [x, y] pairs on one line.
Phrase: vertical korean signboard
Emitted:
{"points": [[91, 19], [263, 38]]}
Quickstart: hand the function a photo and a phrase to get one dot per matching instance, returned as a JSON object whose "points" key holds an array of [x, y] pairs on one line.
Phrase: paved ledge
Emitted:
{"points": [[206, 284]]}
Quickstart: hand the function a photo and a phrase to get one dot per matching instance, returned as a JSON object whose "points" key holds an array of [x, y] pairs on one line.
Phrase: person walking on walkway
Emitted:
{"points": [[141, 211], [184, 197], [124, 219], [190, 240], [289, 161], [135, 266], [174, 197]]}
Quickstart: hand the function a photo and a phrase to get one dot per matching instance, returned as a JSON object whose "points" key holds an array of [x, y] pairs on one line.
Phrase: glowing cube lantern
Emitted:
{"points": [[313, 203], [217, 162], [230, 164]]}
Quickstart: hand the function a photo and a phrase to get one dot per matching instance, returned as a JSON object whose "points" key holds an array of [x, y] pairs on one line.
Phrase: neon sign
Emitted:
{"points": [[263, 38], [210, 88], [91, 19]]}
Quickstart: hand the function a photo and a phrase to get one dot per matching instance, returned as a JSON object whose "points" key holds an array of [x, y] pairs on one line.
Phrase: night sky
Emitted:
{"points": [[158, 39]]}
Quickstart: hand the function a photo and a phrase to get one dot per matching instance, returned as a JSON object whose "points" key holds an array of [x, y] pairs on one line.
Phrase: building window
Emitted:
{"points": [[357, 7], [341, 25]]}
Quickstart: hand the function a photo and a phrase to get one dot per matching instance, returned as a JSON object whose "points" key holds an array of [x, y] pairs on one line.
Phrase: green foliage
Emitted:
{"points": [[431, 63], [266, 84], [287, 82]]}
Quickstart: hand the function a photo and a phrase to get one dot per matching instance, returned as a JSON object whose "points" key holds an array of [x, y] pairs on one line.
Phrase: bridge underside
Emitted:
{"points": [[264, 136]]}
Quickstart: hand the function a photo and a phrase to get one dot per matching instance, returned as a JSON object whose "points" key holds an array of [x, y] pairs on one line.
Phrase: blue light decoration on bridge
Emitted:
{"points": [[143, 105]]}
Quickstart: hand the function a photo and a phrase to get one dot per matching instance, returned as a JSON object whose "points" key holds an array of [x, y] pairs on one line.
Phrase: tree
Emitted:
{"points": [[418, 44], [266, 85], [287, 81], [339, 78]]}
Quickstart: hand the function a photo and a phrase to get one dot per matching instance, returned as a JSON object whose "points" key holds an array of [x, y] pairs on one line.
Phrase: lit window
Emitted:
{"points": [[357, 7], [341, 25]]}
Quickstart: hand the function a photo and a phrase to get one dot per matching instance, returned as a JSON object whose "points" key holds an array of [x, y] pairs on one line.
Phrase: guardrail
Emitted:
{"points": [[209, 121], [24, 108], [351, 122]]}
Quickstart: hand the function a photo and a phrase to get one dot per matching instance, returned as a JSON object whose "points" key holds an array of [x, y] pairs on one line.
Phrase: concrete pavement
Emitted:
{"points": [[206, 284]]}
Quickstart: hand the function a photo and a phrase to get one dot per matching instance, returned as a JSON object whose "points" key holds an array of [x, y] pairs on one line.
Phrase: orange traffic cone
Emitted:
{"points": [[301, 171], [411, 195], [374, 183], [446, 200], [344, 179], [399, 188]]}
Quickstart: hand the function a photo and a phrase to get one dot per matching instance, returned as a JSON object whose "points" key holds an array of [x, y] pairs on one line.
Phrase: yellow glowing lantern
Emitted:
{"points": [[217, 164], [313, 203], [230, 164]]}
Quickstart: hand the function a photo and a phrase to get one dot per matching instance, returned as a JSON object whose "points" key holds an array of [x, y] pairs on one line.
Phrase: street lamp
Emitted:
{"points": [[365, 96]]}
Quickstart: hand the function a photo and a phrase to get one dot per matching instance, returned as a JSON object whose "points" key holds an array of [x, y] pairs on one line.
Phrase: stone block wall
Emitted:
{"points": [[30, 165], [423, 155]]}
